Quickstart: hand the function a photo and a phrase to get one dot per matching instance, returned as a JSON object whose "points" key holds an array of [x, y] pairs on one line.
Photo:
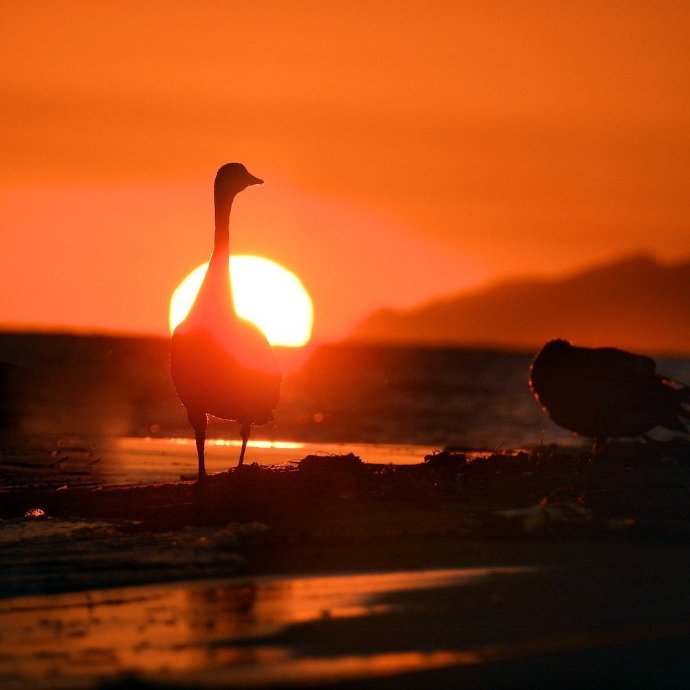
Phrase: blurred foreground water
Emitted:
{"points": [[461, 627]]}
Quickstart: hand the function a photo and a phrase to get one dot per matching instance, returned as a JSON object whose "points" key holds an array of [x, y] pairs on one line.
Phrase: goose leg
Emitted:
{"points": [[199, 422], [244, 432]]}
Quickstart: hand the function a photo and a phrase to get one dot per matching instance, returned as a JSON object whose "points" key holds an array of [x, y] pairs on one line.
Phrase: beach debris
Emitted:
{"points": [[621, 524], [446, 460], [331, 463], [549, 518], [508, 462], [339, 473], [242, 530]]}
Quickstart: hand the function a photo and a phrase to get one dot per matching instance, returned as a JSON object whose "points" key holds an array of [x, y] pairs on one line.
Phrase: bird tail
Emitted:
{"points": [[682, 390], [682, 411], [684, 395]]}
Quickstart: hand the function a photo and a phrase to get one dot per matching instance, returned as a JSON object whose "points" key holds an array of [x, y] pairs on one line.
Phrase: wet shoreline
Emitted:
{"points": [[493, 626], [557, 568]]}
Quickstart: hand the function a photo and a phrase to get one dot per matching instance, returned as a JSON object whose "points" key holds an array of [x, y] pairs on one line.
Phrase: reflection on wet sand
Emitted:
{"points": [[504, 627], [136, 460], [234, 630], [124, 460]]}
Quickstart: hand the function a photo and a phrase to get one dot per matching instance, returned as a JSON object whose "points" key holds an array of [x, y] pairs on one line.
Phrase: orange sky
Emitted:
{"points": [[409, 149]]}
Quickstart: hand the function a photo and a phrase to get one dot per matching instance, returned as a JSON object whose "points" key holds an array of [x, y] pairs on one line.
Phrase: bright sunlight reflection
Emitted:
{"points": [[264, 292]]}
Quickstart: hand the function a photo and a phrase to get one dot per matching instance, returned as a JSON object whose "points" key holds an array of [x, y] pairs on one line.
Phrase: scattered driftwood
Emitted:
{"points": [[542, 493]]}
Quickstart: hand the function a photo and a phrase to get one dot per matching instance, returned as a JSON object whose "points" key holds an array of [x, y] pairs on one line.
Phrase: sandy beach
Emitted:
{"points": [[516, 569]]}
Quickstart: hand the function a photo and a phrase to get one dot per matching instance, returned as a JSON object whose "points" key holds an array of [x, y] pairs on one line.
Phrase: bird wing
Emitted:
{"points": [[625, 363], [234, 376], [604, 391], [635, 395]]}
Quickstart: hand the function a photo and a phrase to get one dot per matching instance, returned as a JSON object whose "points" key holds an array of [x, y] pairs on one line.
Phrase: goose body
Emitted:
{"points": [[222, 365], [606, 392]]}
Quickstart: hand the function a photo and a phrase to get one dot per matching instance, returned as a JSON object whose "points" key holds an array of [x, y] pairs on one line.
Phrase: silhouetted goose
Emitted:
{"points": [[605, 392], [222, 365]]}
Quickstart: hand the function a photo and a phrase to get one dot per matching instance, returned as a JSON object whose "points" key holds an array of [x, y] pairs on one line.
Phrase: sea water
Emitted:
{"points": [[116, 386]]}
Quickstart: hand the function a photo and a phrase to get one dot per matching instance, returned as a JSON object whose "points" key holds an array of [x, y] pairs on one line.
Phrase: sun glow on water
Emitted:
{"points": [[264, 292]]}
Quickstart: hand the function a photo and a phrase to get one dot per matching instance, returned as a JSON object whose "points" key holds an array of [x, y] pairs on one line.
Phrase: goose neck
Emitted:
{"points": [[223, 205]]}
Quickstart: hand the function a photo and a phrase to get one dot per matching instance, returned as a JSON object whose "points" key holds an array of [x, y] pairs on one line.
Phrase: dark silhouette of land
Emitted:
{"points": [[635, 303]]}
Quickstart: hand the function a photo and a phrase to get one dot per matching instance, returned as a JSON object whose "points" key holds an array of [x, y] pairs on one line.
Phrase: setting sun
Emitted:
{"points": [[264, 292]]}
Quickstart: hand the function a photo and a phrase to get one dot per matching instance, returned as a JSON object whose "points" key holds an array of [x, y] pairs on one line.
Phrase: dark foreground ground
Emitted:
{"points": [[561, 570], [628, 492]]}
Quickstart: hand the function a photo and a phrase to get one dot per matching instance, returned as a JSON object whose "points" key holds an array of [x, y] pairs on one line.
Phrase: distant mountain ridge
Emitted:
{"points": [[635, 302]]}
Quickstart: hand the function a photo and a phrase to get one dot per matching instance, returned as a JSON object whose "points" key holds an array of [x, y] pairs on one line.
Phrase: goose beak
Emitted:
{"points": [[255, 180]]}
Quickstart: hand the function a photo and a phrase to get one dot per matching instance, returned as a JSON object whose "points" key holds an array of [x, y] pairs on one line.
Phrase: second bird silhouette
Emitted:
{"points": [[222, 365], [606, 392]]}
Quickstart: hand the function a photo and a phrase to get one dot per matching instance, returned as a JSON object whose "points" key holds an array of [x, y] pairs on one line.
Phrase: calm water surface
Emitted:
{"points": [[121, 387]]}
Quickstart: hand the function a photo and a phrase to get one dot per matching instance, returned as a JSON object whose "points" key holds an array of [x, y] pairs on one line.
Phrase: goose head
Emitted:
{"points": [[232, 178]]}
